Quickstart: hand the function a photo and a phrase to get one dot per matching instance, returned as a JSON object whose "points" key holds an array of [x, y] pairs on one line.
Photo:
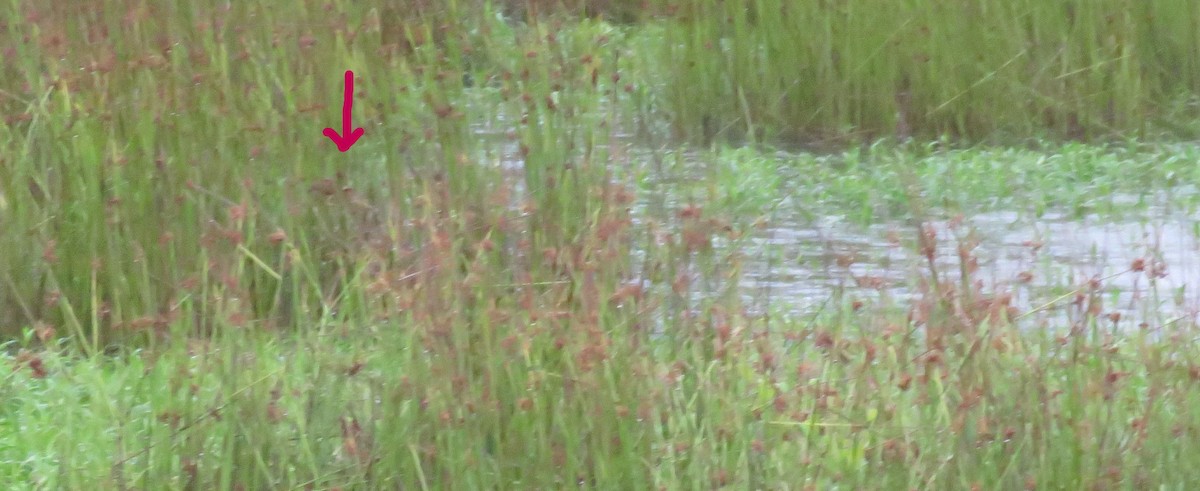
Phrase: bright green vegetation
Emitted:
{"points": [[876, 182], [200, 292]]}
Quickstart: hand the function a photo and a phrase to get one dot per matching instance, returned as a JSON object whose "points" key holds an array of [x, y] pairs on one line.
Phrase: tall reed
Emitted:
{"points": [[865, 69]]}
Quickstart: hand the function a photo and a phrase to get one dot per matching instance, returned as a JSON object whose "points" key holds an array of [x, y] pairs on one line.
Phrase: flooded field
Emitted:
{"points": [[1142, 262], [801, 261]]}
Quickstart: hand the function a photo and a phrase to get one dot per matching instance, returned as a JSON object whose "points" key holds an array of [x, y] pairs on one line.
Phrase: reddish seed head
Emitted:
{"points": [[623, 196], [780, 404], [768, 362], [237, 212], [681, 283], [845, 260], [690, 211], [929, 242], [824, 340], [45, 332], [720, 478], [33, 361], [49, 253], [274, 413], [724, 332], [170, 418], [234, 237], [869, 351]]}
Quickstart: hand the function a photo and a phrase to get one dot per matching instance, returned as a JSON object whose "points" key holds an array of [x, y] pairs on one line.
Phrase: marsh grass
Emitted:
{"points": [[202, 294], [861, 70]]}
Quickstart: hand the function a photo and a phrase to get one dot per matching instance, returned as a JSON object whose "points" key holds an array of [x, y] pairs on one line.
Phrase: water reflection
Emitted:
{"points": [[800, 266]]}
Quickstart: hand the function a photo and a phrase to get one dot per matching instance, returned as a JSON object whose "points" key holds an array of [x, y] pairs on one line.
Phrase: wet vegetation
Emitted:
{"points": [[537, 268]]}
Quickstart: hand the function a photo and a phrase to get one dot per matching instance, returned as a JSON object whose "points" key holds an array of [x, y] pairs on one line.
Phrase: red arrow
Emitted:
{"points": [[351, 136]]}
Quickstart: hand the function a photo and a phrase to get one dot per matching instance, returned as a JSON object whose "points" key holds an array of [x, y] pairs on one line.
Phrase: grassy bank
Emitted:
{"points": [[495, 289]]}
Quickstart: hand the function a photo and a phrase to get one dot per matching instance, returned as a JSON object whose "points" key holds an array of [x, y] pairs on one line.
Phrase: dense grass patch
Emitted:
{"points": [[860, 70], [726, 403]]}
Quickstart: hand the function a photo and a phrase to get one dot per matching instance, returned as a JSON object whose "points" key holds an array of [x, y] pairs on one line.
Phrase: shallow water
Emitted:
{"points": [[796, 265]]}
